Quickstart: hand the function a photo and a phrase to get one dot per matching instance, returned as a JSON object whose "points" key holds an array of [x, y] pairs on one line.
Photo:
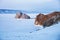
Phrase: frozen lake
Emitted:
{"points": [[13, 29]]}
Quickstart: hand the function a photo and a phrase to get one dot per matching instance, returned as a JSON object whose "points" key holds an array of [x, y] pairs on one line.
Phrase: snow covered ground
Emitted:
{"points": [[13, 29]]}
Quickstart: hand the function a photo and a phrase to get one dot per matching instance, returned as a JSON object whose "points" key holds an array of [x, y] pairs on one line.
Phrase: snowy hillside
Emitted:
{"points": [[20, 29]]}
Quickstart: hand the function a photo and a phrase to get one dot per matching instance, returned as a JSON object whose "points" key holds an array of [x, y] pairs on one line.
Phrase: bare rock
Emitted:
{"points": [[20, 15], [47, 20]]}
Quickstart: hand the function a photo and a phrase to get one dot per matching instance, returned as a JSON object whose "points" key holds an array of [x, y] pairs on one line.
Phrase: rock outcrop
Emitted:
{"points": [[20, 15], [47, 20]]}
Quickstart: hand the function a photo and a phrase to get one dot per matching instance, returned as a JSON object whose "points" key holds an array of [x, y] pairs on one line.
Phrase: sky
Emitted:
{"points": [[31, 5]]}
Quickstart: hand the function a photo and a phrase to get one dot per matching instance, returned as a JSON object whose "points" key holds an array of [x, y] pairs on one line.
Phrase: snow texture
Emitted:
{"points": [[24, 29]]}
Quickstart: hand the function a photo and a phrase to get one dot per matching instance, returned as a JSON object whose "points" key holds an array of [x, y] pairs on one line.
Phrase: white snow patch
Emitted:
{"points": [[25, 29]]}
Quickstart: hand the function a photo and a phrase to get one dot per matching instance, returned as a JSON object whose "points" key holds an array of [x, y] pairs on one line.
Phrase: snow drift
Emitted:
{"points": [[20, 29]]}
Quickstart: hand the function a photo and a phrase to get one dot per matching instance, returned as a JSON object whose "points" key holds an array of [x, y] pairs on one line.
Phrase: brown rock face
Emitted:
{"points": [[48, 19], [40, 18], [20, 15]]}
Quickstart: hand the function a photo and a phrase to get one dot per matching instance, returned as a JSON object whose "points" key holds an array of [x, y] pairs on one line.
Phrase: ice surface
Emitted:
{"points": [[24, 29]]}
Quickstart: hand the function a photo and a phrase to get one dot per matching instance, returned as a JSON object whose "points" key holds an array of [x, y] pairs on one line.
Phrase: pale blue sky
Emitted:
{"points": [[31, 5]]}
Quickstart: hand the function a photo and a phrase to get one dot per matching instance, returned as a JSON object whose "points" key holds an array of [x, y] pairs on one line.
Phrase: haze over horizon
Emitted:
{"points": [[31, 5]]}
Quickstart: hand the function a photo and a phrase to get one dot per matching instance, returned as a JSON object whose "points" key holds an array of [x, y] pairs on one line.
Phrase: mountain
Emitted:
{"points": [[11, 11], [14, 11]]}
